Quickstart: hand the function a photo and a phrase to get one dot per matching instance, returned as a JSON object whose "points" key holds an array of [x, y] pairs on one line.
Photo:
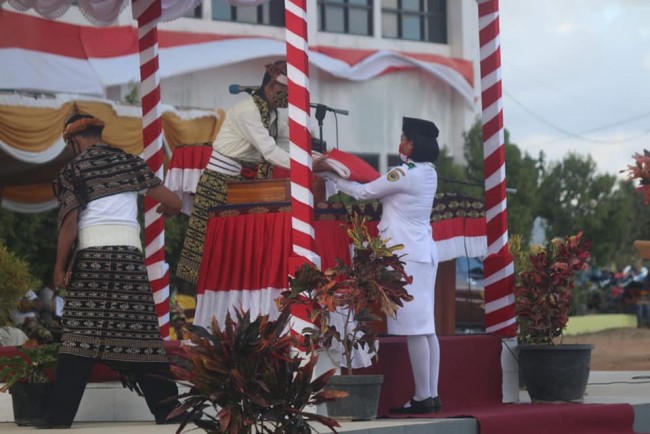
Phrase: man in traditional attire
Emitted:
{"points": [[253, 133], [109, 314]]}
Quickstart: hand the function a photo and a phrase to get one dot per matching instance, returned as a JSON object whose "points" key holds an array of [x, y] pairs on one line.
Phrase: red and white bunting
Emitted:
{"points": [[499, 268], [147, 13]]}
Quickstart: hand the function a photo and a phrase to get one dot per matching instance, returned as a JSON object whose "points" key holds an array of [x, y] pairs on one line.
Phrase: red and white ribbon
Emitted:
{"points": [[147, 13], [499, 268]]}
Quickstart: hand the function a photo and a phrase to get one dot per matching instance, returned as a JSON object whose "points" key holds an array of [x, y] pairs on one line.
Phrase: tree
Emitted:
{"points": [[577, 198], [32, 237], [453, 179]]}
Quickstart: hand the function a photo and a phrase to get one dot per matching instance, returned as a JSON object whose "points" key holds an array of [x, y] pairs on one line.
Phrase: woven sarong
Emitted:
{"points": [[109, 313]]}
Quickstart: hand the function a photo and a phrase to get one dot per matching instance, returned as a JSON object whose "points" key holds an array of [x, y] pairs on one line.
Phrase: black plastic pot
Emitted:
{"points": [[29, 401], [555, 373], [362, 401]]}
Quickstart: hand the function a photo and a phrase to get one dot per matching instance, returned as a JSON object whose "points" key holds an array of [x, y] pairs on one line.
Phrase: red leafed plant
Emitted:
{"points": [[250, 375], [375, 282], [544, 280], [641, 171]]}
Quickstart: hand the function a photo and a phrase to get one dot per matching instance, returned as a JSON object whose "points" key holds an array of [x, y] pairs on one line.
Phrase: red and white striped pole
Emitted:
{"points": [[499, 268], [302, 200], [303, 234], [147, 13]]}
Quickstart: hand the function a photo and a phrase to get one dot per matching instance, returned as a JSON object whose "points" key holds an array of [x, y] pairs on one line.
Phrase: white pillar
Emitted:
{"points": [[510, 369]]}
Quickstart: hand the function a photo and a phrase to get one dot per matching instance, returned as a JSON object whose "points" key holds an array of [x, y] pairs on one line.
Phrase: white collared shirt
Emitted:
{"points": [[243, 136]]}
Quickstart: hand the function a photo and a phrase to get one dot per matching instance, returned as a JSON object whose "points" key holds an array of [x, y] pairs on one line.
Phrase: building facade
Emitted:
{"points": [[377, 59]]}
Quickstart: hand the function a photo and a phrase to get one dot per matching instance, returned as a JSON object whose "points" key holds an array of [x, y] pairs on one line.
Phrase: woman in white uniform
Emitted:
{"points": [[406, 194]]}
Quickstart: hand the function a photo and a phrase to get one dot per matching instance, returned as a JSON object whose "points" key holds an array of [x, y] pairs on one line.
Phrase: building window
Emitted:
{"points": [[270, 13], [416, 20], [197, 12], [345, 16]]}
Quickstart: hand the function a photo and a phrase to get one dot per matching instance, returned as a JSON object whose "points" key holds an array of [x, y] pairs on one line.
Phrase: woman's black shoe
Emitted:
{"points": [[417, 407], [437, 404]]}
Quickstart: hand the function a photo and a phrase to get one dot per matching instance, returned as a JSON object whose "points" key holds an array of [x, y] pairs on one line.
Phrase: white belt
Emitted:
{"points": [[109, 235], [221, 164]]}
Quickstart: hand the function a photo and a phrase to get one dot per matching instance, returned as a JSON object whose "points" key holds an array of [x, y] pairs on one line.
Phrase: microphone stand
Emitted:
{"points": [[321, 110]]}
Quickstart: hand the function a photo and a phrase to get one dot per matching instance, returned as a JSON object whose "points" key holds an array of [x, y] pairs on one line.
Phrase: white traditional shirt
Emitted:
{"points": [[243, 136]]}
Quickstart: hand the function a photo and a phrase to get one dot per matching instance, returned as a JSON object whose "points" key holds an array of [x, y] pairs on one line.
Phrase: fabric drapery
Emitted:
{"points": [[32, 149], [99, 12], [245, 261], [86, 64]]}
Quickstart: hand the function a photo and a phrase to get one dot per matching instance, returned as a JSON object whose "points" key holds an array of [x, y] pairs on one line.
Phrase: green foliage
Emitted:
{"points": [[452, 177], [15, 281], [32, 366], [374, 282], [577, 198], [132, 97], [33, 237], [249, 372]]}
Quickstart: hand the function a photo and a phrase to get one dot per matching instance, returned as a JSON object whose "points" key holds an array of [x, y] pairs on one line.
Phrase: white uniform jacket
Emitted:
{"points": [[406, 194]]}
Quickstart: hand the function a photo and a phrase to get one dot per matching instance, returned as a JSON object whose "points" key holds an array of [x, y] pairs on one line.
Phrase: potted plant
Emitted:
{"points": [[250, 375], [27, 377], [544, 280], [344, 301], [641, 170]]}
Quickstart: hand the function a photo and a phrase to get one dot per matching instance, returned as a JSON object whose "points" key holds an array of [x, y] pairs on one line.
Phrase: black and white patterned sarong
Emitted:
{"points": [[110, 313]]}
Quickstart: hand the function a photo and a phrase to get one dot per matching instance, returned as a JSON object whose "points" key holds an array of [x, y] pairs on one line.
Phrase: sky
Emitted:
{"points": [[576, 78]]}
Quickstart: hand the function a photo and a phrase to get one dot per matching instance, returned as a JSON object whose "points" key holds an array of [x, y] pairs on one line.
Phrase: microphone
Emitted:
{"points": [[321, 107], [235, 89]]}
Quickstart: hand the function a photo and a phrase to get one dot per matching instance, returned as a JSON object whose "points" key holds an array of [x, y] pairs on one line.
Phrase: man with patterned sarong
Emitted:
{"points": [[253, 134], [109, 314]]}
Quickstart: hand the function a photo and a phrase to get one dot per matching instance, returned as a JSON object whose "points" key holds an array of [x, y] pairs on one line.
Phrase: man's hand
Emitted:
{"points": [[166, 211], [170, 204], [319, 164], [59, 278]]}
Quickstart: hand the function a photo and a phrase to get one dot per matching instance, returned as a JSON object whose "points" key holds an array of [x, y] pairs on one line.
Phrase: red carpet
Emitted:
{"points": [[470, 386]]}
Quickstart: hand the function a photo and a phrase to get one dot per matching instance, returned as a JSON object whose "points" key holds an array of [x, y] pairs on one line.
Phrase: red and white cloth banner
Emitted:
{"points": [[499, 268], [79, 60]]}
